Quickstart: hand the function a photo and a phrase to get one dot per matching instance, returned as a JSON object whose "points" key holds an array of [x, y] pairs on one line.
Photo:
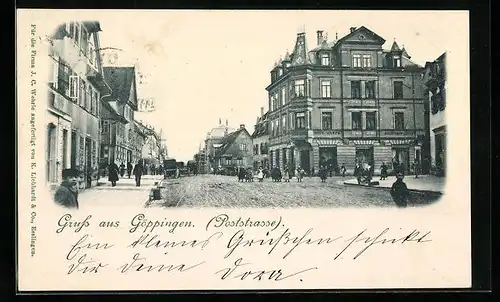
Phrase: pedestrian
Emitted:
{"points": [[260, 174], [129, 169], [416, 167], [343, 170], [383, 171], [358, 172], [113, 173], [322, 173], [399, 191], [67, 193], [122, 169], [286, 175], [138, 171], [298, 174]]}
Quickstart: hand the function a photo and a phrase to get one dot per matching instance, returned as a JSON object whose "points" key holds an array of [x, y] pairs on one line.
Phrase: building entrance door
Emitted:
{"points": [[88, 163], [328, 158], [401, 159], [51, 153], [305, 160], [364, 156]]}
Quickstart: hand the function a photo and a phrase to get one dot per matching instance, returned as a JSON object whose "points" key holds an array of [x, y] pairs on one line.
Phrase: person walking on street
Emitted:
{"points": [[138, 171], [260, 175], [129, 169], [67, 193], [113, 174], [399, 191], [298, 173], [322, 173], [286, 175], [416, 167], [383, 171], [122, 169], [343, 170]]}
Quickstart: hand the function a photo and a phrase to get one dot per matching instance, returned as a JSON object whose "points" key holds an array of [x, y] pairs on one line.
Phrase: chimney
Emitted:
{"points": [[242, 126], [261, 111], [353, 29], [319, 37]]}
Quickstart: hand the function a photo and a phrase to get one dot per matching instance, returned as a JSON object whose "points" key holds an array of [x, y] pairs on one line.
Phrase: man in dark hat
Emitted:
{"points": [[67, 193], [399, 191]]}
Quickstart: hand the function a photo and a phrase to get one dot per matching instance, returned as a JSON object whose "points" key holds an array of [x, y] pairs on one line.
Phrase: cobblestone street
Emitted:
{"points": [[226, 191]]}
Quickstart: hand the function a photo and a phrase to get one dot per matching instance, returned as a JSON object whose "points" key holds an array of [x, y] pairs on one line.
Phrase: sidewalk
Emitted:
{"points": [[125, 194], [424, 183]]}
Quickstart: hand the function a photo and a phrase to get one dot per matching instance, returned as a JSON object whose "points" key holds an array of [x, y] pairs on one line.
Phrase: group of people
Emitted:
{"points": [[277, 175], [115, 172]]}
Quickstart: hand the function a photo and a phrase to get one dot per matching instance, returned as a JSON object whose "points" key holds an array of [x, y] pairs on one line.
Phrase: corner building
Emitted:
{"points": [[345, 101]]}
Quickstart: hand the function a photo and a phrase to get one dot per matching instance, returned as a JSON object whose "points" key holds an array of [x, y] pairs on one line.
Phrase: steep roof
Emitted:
{"points": [[261, 127], [395, 46], [120, 80], [110, 113], [228, 140]]}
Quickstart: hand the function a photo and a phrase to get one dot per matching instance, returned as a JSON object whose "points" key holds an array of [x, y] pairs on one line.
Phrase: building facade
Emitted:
{"points": [[435, 81], [124, 101], [76, 86], [346, 101], [213, 141], [260, 138], [235, 151]]}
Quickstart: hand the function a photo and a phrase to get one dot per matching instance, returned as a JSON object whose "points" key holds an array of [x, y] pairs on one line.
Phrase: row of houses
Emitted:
{"points": [[344, 102], [90, 110]]}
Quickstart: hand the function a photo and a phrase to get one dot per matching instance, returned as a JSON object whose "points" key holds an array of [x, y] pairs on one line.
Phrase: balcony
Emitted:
{"points": [[300, 134]]}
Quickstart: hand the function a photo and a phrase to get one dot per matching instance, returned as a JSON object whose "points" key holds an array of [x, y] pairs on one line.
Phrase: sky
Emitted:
{"points": [[204, 65]]}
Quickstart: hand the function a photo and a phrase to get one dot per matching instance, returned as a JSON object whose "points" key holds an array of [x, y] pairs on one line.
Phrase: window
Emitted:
{"points": [[276, 126], [85, 41], [300, 120], [271, 103], [280, 71], [398, 89], [95, 102], [283, 96], [243, 147], [73, 87], [367, 61], [355, 89], [63, 80], [370, 120], [88, 98], [299, 88], [77, 33], [370, 89], [396, 61], [326, 120], [82, 93], [399, 121], [356, 120], [356, 61], [291, 121], [325, 59], [283, 123], [55, 68], [326, 89], [92, 52]]}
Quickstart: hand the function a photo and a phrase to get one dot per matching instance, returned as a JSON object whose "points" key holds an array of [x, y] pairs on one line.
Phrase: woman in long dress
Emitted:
{"points": [[260, 175]]}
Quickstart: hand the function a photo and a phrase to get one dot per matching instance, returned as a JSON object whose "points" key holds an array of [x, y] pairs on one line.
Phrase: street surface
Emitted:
{"points": [[226, 191]]}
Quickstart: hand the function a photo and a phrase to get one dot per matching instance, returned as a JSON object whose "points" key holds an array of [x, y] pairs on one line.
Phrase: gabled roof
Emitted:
{"points": [[300, 52], [228, 140], [395, 46], [110, 113], [121, 79], [261, 126], [356, 31]]}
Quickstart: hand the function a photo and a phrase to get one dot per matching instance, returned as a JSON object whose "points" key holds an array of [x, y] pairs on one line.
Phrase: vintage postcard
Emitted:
{"points": [[248, 150]]}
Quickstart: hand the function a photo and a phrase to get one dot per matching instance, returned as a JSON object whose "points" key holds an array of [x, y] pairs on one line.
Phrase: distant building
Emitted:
{"points": [[260, 138], [213, 141], [346, 101], [435, 81], [76, 85], [123, 100], [235, 150], [139, 141]]}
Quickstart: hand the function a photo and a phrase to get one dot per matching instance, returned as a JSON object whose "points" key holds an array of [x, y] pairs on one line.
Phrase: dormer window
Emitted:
{"points": [[396, 61], [325, 59], [280, 71], [288, 64]]}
